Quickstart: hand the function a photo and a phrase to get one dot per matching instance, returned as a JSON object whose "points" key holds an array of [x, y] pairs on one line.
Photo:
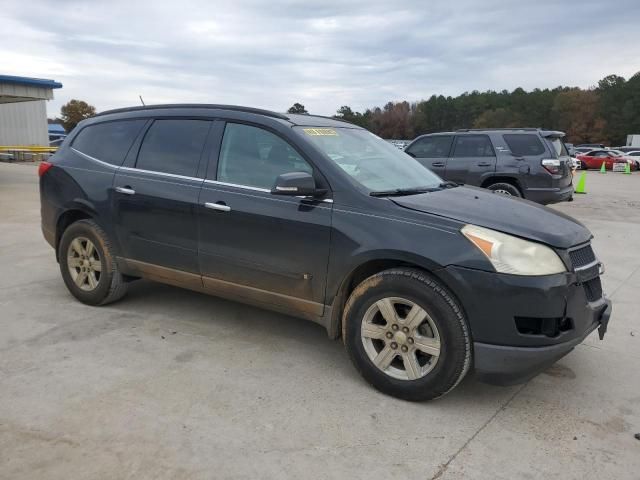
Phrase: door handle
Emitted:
{"points": [[218, 206], [484, 164], [126, 190], [437, 164]]}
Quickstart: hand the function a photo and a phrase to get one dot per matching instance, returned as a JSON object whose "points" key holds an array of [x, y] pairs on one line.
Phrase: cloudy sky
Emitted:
{"points": [[323, 54]]}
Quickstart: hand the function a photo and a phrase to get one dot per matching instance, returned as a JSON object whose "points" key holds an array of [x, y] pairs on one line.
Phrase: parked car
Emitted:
{"points": [[595, 158], [581, 150], [591, 145], [575, 163], [424, 280], [571, 149], [529, 163], [626, 149]]}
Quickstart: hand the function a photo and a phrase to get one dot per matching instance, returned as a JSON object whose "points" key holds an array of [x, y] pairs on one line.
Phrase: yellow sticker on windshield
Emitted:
{"points": [[320, 132]]}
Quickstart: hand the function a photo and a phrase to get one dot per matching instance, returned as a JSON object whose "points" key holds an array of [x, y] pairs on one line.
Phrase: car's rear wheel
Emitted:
{"points": [[503, 188], [88, 266], [406, 335]]}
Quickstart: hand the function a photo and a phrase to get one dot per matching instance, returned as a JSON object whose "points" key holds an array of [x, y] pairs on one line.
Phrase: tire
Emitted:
{"points": [[505, 189], [444, 326], [103, 282]]}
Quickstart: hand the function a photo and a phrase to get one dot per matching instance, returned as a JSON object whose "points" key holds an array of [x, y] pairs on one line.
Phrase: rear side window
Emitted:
{"points": [[524, 144], [473, 146], [557, 147], [108, 142], [431, 147], [173, 146]]}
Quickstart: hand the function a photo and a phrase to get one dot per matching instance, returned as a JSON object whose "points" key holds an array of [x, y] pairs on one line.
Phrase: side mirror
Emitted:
{"points": [[295, 184]]}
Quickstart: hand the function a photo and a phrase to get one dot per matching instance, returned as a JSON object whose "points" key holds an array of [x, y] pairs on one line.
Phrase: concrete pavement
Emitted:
{"points": [[169, 383]]}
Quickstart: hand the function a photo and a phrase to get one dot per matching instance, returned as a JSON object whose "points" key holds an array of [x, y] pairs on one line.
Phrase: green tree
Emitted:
{"points": [[612, 92], [575, 112], [74, 111], [346, 113], [297, 108], [499, 118]]}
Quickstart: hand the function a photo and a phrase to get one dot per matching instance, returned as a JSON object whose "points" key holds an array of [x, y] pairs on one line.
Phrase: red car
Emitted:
{"points": [[594, 159]]}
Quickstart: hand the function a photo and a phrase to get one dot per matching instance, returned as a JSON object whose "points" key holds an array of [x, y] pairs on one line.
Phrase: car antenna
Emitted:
{"points": [[142, 101]]}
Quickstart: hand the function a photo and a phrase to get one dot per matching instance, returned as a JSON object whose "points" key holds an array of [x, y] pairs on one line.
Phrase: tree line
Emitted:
{"points": [[606, 113]]}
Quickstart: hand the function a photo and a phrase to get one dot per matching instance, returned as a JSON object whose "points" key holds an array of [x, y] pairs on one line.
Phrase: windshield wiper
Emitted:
{"points": [[398, 192]]}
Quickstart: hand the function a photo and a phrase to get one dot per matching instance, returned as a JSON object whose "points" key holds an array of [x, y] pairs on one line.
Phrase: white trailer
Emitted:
{"points": [[633, 141]]}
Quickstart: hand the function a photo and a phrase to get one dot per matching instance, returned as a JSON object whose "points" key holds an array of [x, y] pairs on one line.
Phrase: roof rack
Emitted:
{"points": [[527, 129], [238, 108]]}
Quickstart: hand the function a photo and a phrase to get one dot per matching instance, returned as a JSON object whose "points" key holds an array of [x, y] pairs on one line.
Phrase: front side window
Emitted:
{"points": [[372, 162], [473, 146], [173, 146], [255, 157], [524, 144], [431, 147], [109, 141]]}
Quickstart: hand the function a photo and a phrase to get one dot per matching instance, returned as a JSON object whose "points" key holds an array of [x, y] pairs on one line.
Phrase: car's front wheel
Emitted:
{"points": [[88, 266], [407, 335]]}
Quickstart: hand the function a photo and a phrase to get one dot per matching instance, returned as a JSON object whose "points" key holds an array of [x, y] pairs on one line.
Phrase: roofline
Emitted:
{"points": [[32, 82], [237, 108], [337, 119], [526, 129]]}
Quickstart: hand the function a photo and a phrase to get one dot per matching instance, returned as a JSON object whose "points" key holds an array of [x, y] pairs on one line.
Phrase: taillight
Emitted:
{"points": [[552, 166], [44, 166]]}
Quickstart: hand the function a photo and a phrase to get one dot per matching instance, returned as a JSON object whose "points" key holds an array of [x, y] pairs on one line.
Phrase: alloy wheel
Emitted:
{"points": [[400, 338], [83, 262]]}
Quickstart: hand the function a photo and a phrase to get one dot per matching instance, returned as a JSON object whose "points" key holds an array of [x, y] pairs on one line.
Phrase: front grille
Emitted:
{"points": [[593, 289], [582, 256], [590, 276]]}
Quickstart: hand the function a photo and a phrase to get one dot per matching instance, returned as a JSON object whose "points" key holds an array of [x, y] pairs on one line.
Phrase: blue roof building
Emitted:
{"points": [[23, 109]]}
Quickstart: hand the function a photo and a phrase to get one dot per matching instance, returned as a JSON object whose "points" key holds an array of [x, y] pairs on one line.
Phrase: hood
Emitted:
{"points": [[509, 215]]}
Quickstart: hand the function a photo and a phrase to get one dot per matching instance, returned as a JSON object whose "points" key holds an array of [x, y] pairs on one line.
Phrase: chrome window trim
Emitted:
{"points": [[93, 159], [246, 187], [256, 189], [164, 174]]}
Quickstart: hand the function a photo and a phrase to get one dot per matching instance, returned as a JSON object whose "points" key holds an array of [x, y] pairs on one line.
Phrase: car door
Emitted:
{"points": [[471, 158], [432, 152], [156, 195], [266, 249], [600, 157]]}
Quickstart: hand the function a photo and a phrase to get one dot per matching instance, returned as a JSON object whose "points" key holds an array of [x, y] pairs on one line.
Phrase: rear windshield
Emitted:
{"points": [[557, 147]]}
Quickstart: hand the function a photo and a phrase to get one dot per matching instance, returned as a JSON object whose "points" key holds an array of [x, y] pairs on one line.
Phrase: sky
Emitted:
{"points": [[323, 54]]}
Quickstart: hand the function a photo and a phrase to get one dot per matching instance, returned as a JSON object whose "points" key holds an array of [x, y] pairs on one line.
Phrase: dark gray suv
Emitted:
{"points": [[424, 280], [526, 162]]}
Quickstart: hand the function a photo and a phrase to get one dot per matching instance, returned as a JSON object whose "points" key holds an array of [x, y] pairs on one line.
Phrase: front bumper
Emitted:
{"points": [[502, 365], [494, 303]]}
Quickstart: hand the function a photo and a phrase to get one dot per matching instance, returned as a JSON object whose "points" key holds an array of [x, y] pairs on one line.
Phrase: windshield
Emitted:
{"points": [[372, 162], [557, 147]]}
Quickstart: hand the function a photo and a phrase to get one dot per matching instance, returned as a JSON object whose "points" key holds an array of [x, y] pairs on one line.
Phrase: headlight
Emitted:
{"points": [[513, 255]]}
